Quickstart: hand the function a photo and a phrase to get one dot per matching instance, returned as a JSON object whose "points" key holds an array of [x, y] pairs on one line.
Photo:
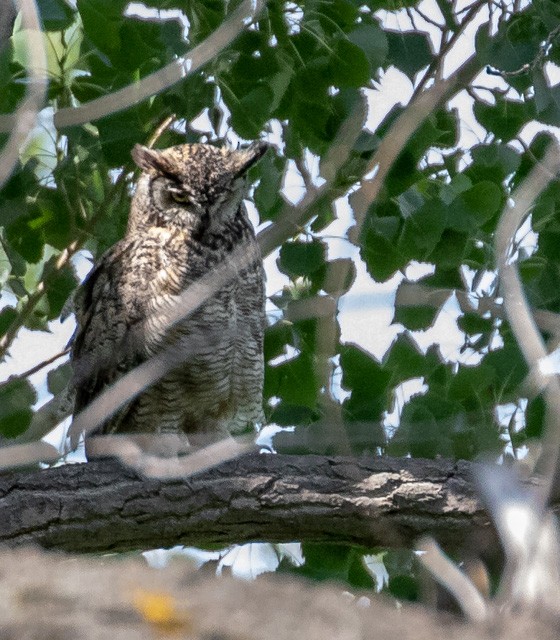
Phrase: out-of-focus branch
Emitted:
{"points": [[23, 120], [168, 76], [56, 596], [518, 312], [453, 579]]}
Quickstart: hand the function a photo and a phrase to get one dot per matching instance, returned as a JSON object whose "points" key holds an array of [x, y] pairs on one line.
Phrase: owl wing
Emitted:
{"points": [[105, 345], [248, 374]]}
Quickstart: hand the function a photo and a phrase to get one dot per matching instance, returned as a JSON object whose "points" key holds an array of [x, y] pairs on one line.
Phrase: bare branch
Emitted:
{"points": [[101, 505], [446, 47], [41, 365], [55, 596], [26, 454], [517, 309], [453, 579], [292, 218]]}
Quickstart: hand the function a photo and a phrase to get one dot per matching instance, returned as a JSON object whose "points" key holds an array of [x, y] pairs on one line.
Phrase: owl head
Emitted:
{"points": [[195, 187]]}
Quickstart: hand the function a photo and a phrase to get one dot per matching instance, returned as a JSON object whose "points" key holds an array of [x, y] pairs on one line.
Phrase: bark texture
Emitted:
{"points": [[103, 506]]}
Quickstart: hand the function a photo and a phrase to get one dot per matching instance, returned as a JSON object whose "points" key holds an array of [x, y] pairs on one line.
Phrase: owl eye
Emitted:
{"points": [[179, 196]]}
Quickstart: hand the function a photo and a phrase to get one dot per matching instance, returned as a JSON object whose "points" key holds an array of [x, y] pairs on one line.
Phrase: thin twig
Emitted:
{"points": [[447, 46], [41, 365], [159, 131], [62, 260]]}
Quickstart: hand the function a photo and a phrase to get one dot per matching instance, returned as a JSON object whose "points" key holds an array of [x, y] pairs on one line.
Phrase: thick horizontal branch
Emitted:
{"points": [[102, 506]]}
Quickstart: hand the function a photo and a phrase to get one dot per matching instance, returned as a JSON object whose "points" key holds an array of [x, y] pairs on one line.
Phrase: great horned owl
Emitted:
{"points": [[187, 216]]}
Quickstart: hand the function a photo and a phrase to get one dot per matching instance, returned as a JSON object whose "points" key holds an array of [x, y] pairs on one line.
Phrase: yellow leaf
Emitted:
{"points": [[162, 610]]}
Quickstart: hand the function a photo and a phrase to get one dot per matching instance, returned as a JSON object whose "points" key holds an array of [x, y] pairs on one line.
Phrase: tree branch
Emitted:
{"points": [[49, 596], [102, 506]]}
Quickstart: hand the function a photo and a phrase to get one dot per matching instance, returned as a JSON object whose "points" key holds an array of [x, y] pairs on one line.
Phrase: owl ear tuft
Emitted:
{"points": [[150, 159], [244, 159]]}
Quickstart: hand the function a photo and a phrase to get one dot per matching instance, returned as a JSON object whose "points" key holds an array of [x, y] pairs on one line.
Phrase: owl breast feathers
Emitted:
{"points": [[187, 217]]}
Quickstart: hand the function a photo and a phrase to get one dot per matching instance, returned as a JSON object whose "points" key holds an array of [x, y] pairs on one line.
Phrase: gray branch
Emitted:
{"points": [[48, 596], [102, 506]]}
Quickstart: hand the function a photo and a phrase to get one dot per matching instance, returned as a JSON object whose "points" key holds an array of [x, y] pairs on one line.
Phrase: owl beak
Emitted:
{"points": [[246, 158]]}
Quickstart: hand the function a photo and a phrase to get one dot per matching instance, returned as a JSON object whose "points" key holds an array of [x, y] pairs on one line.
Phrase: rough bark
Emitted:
{"points": [[102, 506], [48, 596]]}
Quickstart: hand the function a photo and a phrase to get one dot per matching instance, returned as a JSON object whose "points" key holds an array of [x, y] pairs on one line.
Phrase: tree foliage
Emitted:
{"points": [[297, 73]]}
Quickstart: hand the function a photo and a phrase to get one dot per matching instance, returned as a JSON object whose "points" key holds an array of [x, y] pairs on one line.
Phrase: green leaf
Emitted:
{"points": [[546, 100], [372, 40], [472, 323], [118, 133], [429, 426], [450, 250], [508, 363], [505, 118], [289, 415], [368, 382], [25, 239], [494, 162], [251, 111], [535, 417], [55, 14], [267, 196], [295, 381], [102, 22], [409, 51], [7, 316], [16, 398], [58, 379], [472, 382], [302, 258], [335, 562], [517, 42], [417, 318], [335, 15], [276, 337], [404, 588], [474, 207], [61, 283], [405, 361], [422, 230], [349, 65], [339, 277], [378, 250]]}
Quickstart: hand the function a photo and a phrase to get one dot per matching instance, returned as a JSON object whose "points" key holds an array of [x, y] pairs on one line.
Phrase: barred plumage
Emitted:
{"points": [[186, 217]]}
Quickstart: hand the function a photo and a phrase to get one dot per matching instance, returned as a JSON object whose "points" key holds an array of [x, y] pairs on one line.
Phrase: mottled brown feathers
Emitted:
{"points": [[186, 217]]}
